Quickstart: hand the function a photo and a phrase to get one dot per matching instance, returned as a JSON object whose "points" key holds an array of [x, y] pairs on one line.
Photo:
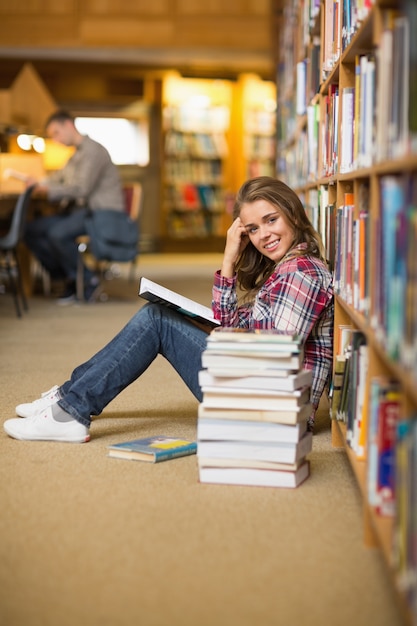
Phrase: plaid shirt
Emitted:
{"points": [[296, 298]]}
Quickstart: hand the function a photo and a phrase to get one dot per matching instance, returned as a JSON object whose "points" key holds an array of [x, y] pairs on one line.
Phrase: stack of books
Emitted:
{"points": [[252, 422]]}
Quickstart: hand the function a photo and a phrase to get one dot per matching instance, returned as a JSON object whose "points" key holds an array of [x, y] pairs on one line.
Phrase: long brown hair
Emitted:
{"points": [[253, 268]]}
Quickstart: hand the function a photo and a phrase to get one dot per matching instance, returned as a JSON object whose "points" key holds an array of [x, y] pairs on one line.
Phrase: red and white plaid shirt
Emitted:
{"points": [[296, 298]]}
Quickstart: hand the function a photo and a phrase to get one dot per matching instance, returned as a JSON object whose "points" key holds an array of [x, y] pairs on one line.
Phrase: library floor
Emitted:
{"points": [[86, 540]]}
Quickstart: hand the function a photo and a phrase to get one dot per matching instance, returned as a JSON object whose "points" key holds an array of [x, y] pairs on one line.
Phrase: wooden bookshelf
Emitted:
{"points": [[348, 147], [216, 135], [258, 128], [196, 121]]}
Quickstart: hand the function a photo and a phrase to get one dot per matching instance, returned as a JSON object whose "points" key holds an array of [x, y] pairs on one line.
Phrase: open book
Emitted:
{"points": [[156, 293]]}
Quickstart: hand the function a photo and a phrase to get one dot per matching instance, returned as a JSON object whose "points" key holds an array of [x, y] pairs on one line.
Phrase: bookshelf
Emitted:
{"points": [[216, 135], [196, 121], [346, 141], [258, 132]]}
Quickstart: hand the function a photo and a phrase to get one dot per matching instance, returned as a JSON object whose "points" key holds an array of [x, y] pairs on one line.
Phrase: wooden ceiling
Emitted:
{"points": [[90, 50]]}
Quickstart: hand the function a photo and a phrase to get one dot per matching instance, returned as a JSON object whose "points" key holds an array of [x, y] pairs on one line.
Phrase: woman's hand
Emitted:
{"points": [[236, 241]]}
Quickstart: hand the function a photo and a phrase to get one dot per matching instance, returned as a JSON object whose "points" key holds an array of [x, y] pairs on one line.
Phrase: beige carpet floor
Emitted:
{"points": [[86, 540]]}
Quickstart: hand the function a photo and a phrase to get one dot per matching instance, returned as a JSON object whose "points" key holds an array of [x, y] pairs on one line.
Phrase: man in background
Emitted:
{"points": [[88, 182]]}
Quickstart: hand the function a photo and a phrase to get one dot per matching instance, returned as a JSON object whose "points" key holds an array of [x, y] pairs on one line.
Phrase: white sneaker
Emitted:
{"points": [[43, 427], [31, 408]]}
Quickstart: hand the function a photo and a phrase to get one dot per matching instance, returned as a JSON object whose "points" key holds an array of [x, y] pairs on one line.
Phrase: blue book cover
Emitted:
{"points": [[153, 449], [393, 199]]}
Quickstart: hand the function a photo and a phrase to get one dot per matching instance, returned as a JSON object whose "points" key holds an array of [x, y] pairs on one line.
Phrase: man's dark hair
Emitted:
{"points": [[59, 116]]}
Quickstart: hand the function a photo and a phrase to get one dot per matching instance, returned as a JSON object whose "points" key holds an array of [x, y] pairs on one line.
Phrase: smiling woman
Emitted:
{"points": [[264, 207], [270, 232]]}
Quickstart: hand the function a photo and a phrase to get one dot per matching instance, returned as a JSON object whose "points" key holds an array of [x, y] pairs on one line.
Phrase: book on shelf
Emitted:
{"points": [[330, 25], [360, 424], [329, 160], [247, 476], [411, 13], [399, 129], [207, 196], [342, 342], [393, 84], [224, 377], [152, 449], [258, 399], [329, 211], [343, 271], [408, 353], [313, 116], [405, 520], [393, 269], [347, 129], [358, 109], [242, 430], [190, 199], [341, 413], [357, 377], [384, 406], [278, 452], [336, 386], [281, 415], [153, 292], [364, 247], [389, 415], [365, 93], [301, 97]]}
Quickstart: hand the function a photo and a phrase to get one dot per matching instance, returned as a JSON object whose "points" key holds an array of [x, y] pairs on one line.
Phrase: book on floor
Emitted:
{"points": [[153, 292], [273, 351], [207, 461], [241, 430], [223, 377], [281, 415], [252, 335], [284, 362], [236, 398], [254, 477], [282, 452], [153, 449], [252, 341]]}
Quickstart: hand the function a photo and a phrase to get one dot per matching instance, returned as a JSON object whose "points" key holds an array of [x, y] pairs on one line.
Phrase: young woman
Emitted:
{"points": [[272, 254]]}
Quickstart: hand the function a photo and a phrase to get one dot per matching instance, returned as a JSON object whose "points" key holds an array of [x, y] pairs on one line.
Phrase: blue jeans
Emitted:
{"points": [[154, 329], [52, 240]]}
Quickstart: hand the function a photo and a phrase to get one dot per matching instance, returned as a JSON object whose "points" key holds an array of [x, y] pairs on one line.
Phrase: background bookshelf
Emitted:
{"points": [[196, 124], [258, 103], [216, 134], [346, 141]]}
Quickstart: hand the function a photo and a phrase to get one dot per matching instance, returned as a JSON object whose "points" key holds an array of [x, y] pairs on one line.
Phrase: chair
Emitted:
{"points": [[108, 270], [9, 259]]}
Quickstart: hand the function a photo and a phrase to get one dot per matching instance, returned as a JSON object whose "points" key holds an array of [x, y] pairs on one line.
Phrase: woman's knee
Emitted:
{"points": [[150, 312], [157, 316]]}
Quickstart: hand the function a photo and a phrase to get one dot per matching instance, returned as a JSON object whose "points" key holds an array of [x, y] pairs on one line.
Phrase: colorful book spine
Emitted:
{"points": [[404, 555], [384, 412]]}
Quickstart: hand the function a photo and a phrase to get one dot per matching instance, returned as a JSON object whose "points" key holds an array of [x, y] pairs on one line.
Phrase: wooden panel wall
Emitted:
{"points": [[180, 24]]}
